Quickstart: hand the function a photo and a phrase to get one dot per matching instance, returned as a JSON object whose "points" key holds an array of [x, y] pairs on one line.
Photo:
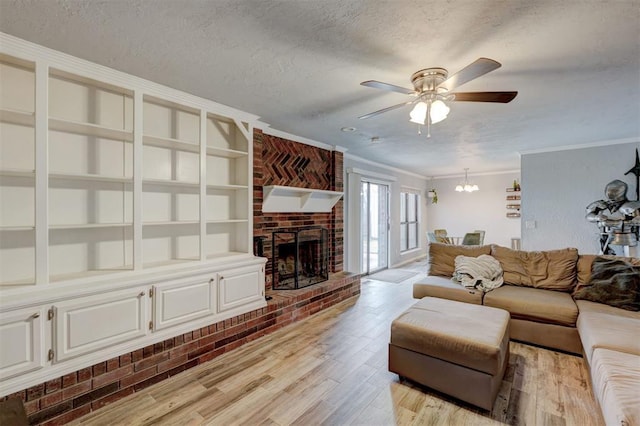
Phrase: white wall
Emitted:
{"points": [[558, 186], [352, 210], [462, 212]]}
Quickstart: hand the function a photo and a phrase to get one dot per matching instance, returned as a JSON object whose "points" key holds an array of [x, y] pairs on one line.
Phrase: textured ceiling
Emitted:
{"points": [[297, 64]]}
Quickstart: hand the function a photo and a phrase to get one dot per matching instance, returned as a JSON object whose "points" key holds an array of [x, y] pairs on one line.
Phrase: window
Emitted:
{"points": [[409, 203]]}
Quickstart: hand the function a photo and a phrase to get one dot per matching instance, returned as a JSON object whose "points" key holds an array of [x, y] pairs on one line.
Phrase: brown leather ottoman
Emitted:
{"points": [[457, 348]]}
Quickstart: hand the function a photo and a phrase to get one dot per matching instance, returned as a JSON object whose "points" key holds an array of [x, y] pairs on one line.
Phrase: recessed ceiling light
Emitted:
{"points": [[348, 129]]}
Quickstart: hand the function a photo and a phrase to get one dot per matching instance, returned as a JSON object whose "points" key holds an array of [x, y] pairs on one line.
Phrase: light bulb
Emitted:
{"points": [[475, 187], [459, 188], [418, 113], [439, 111]]}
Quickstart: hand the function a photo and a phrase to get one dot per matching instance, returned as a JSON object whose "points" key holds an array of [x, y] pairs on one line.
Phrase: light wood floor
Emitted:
{"points": [[332, 369]]}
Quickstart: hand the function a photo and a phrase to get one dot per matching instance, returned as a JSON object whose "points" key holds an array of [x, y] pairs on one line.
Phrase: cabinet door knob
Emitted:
{"points": [[141, 294], [36, 315], [212, 280]]}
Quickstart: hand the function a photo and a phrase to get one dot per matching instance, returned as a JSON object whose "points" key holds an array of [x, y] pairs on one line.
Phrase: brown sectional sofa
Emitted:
{"points": [[538, 295]]}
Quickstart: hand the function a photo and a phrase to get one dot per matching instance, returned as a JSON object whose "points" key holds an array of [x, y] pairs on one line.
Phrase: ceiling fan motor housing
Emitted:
{"points": [[427, 80]]}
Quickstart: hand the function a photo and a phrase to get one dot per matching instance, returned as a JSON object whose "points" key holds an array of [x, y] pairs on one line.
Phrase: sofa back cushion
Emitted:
{"points": [[442, 257], [613, 282], [585, 262], [550, 270]]}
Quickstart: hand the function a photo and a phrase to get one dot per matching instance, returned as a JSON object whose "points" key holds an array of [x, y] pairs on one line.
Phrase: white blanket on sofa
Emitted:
{"points": [[483, 272]]}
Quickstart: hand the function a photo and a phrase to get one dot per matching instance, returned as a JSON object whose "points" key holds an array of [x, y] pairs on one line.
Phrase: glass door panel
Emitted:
{"points": [[374, 226]]}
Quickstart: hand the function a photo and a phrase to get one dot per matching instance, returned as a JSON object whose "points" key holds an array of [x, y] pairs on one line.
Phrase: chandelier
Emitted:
{"points": [[467, 187]]}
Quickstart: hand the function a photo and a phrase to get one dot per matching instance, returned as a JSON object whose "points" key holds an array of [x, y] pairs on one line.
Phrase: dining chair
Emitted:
{"points": [[471, 239], [481, 232], [441, 236]]}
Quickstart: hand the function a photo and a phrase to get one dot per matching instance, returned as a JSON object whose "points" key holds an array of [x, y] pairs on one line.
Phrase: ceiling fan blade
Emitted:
{"points": [[389, 87], [472, 71], [383, 110], [500, 97]]}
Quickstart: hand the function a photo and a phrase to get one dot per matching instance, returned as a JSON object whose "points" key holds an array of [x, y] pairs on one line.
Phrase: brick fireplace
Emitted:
{"points": [[278, 161]]}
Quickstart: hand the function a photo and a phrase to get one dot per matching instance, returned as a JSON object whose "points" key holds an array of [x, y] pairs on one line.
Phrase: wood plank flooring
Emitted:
{"points": [[331, 369]]}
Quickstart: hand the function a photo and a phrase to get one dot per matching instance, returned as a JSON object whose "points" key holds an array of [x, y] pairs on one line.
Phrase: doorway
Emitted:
{"points": [[374, 222]]}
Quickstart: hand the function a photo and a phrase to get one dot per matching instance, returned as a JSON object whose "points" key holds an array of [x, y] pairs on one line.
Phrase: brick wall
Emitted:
{"points": [[278, 161], [73, 395]]}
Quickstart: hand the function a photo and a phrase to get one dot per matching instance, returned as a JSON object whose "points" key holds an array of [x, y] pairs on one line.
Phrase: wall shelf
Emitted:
{"points": [[288, 199]]}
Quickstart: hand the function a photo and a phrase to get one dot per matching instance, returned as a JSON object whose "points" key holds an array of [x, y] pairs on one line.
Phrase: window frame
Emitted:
{"points": [[405, 223]]}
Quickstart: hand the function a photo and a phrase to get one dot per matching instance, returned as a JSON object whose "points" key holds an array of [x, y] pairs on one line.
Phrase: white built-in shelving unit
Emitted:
{"points": [[119, 198]]}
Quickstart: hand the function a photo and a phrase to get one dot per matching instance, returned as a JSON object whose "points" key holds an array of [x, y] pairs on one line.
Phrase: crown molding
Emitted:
{"points": [[383, 166], [582, 146], [267, 129]]}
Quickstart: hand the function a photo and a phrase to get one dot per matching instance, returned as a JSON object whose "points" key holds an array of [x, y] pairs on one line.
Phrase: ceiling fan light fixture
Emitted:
{"points": [[459, 188], [418, 113], [439, 111]]}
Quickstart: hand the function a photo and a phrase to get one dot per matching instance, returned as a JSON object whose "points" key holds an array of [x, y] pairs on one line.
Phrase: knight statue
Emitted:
{"points": [[617, 217]]}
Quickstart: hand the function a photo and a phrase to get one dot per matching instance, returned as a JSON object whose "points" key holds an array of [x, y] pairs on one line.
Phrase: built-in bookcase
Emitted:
{"points": [[171, 183], [17, 171], [125, 214], [90, 177], [227, 191], [129, 180]]}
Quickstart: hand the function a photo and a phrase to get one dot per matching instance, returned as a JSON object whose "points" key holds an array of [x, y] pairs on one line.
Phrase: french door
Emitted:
{"points": [[374, 215]]}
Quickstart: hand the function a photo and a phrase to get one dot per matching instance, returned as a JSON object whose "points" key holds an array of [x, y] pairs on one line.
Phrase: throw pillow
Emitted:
{"points": [[442, 257], [585, 263], [613, 282], [549, 270]]}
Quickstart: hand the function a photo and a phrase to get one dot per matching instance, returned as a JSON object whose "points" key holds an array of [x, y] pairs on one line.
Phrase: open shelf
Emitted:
{"points": [[10, 228], [87, 274], [288, 199], [17, 173], [89, 226], [170, 143], [227, 187], [228, 221], [89, 129], [167, 182], [226, 153], [91, 177], [21, 118], [171, 222]]}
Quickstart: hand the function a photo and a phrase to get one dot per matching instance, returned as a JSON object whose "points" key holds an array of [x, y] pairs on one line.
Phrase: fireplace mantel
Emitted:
{"points": [[289, 199]]}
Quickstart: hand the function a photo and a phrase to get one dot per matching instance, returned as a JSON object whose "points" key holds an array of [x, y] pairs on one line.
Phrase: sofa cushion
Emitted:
{"points": [[547, 306], [613, 282], [442, 257], [616, 385], [550, 270], [444, 288], [601, 330], [587, 306], [586, 260]]}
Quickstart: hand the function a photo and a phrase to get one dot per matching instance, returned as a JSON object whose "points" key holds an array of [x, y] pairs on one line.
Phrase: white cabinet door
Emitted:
{"points": [[96, 322], [179, 302], [21, 342], [240, 286]]}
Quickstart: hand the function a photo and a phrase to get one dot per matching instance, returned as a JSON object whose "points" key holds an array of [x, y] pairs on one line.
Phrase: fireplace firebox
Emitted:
{"points": [[300, 257]]}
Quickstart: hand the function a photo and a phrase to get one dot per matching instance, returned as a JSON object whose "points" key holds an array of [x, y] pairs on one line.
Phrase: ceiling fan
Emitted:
{"points": [[432, 88]]}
